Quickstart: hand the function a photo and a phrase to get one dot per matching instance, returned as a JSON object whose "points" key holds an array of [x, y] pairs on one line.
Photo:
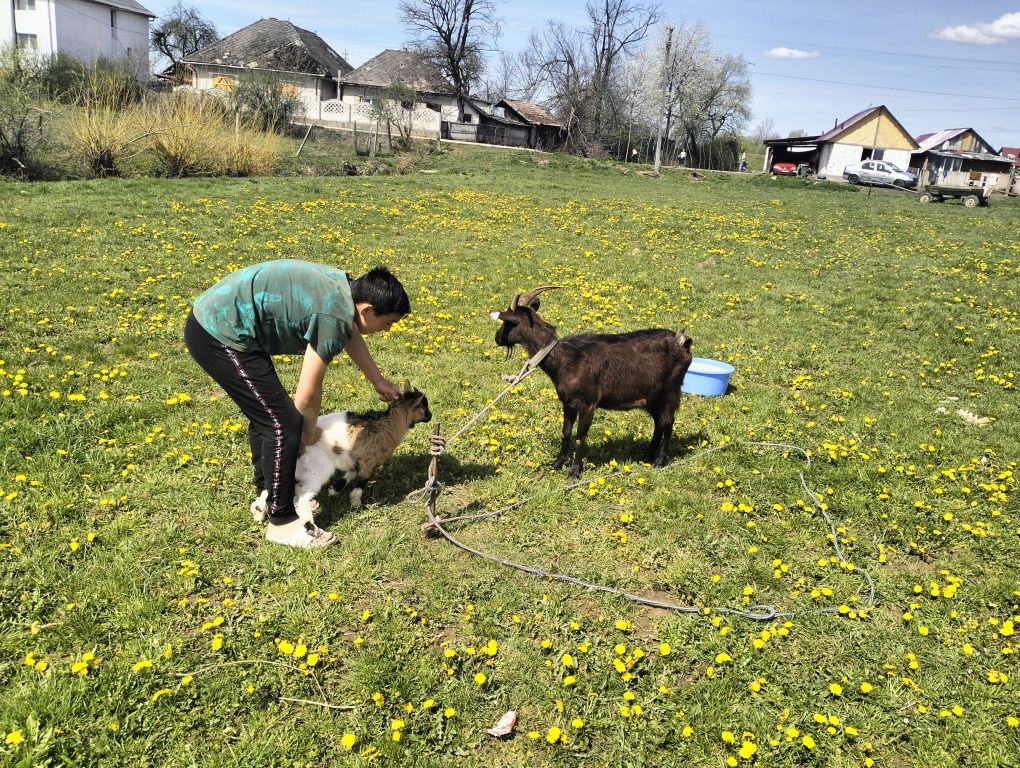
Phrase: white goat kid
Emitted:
{"points": [[353, 444]]}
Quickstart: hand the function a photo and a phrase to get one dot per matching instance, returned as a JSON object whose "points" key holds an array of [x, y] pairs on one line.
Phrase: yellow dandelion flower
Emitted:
{"points": [[480, 678], [835, 689], [808, 742], [553, 734], [14, 737], [348, 740], [160, 693], [748, 750]]}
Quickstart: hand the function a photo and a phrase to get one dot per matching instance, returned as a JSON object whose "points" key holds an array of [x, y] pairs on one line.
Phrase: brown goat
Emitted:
{"points": [[616, 371]]}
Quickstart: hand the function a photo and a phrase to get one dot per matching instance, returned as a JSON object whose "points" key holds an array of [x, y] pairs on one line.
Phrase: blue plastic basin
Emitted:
{"points": [[709, 378]]}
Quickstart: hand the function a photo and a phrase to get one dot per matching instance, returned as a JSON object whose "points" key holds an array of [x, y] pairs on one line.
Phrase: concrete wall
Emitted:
{"points": [[308, 88], [835, 157]]}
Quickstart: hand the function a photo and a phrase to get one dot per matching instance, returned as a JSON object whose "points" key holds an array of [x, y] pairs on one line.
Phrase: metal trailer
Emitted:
{"points": [[973, 186]]}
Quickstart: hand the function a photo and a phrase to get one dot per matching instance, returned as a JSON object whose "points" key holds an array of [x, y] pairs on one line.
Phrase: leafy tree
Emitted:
{"points": [[453, 34], [180, 33], [263, 103]]}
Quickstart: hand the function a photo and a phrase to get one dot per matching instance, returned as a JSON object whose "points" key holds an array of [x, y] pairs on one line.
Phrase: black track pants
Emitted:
{"points": [[274, 429]]}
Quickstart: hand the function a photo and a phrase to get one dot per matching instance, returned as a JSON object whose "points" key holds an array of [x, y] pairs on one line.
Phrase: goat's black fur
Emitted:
{"points": [[640, 369]]}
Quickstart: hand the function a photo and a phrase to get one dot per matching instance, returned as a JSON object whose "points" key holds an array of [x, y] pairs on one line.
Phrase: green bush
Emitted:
{"points": [[262, 102], [23, 115], [69, 81]]}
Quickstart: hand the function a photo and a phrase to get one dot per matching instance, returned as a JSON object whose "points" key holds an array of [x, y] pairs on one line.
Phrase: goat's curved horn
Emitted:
{"points": [[523, 299]]}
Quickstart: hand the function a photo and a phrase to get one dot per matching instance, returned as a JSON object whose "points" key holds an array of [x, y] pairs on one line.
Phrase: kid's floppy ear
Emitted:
{"points": [[407, 388]]}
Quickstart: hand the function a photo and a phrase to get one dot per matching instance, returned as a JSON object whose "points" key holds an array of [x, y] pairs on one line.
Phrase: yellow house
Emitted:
{"points": [[870, 134]]}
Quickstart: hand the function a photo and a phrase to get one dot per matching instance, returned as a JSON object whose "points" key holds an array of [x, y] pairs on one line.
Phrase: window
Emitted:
{"points": [[25, 5], [366, 99], [28, 42], [878, 154], [113, 23]]}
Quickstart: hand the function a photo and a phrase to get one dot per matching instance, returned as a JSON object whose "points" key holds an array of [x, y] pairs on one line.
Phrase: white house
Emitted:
{"points": [[411, 71], [301, 61], [84, 29], [871, 134]]}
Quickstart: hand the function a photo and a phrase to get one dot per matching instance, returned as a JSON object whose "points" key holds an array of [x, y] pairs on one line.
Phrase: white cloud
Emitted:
{"points": [[790, 53], [1002, 30]]}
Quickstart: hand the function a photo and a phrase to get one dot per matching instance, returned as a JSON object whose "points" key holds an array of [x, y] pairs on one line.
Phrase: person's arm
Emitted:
{"points": [[308, 395], [357, 350]]}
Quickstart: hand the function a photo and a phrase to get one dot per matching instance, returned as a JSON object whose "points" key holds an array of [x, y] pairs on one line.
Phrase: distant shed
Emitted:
{"points": [[960, 154], [545, 131]]}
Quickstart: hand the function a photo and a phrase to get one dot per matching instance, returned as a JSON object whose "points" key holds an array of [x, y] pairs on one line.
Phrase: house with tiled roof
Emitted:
{"points": [[85, 30], [304, 64], [545, 131], [411, 73]]}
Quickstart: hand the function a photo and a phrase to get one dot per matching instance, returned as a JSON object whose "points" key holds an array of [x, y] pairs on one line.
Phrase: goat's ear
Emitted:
{"points": [[535, 303]]}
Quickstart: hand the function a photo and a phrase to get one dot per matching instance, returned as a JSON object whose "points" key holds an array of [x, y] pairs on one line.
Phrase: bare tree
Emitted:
{"points": [[453, 34], [180, 33], [763, 131], [579, 72], [617, 26]]}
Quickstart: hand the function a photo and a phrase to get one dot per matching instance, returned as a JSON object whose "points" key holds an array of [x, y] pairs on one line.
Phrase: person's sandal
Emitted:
{"points": [[299, 536]]}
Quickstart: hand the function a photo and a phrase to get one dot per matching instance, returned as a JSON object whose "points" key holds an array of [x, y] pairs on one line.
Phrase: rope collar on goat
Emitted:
{"points": [[534, 361]]}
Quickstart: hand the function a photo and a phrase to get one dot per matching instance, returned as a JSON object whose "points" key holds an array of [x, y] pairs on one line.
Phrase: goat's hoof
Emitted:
{"points": [[558, 464], [575, 472]]}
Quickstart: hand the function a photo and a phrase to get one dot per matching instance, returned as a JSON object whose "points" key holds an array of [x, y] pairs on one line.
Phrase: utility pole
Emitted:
{"points": [[667, 77], [874, 143]]}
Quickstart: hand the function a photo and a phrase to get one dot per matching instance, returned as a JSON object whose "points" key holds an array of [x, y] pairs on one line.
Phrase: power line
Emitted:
{"points": [[900, 54], [886, 87], [960, 109]]}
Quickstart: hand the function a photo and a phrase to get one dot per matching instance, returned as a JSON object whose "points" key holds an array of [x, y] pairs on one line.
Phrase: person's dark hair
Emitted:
{"points": [[380, 288]]}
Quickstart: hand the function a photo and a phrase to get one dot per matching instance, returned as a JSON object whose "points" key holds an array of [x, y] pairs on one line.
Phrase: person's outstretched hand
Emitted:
{"points": [[386, 390]]}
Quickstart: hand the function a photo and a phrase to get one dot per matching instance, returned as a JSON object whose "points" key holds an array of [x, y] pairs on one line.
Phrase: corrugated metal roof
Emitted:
{"points": [[400, 67], [126, 5], [1013, 153], [275, 45], [984, 156], [932, 140], [530, 112]]}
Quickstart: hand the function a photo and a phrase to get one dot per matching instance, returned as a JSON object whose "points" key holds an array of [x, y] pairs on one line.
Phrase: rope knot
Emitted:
{"points": [[437, 445]]}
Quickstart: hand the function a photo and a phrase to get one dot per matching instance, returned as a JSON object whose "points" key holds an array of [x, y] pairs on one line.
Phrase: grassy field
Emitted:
{"points": [[145, 621]]}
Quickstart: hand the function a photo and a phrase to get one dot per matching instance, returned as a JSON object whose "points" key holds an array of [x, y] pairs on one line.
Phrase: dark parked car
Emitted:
{"points": [[784, 169]]}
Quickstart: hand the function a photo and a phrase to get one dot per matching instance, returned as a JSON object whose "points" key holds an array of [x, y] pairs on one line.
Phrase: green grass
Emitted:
{"points": [[862, 328]]}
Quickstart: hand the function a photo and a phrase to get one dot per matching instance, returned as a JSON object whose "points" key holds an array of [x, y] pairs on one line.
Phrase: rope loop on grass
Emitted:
{"points": [[435, 524]]}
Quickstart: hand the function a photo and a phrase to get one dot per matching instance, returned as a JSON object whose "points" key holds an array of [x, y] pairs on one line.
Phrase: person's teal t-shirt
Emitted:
{"points": [[280, 307]]}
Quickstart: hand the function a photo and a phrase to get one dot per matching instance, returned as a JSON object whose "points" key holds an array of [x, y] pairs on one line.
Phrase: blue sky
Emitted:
{"points": [[935, 63]]}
